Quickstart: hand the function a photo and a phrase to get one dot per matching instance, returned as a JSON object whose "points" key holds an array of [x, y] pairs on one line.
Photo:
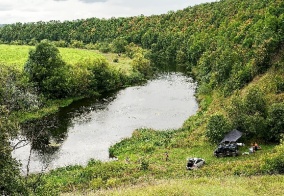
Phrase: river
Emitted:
{"points": [[87, 128]]}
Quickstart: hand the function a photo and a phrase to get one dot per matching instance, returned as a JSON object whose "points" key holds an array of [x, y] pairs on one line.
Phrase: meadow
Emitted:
{"points": [[17, 55]]}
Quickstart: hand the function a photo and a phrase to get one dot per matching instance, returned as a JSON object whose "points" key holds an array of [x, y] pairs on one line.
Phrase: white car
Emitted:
{"points": [[194, 163]]}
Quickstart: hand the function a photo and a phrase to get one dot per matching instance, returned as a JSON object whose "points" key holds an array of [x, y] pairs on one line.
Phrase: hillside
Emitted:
{"points": [[233, 49], [237, 38]]}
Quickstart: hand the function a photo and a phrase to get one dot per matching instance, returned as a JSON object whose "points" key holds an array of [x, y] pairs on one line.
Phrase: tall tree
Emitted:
{"points": [[11, 182], [46, 69]]}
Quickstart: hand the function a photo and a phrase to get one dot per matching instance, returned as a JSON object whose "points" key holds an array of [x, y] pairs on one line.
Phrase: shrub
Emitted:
{"points": [[60, 43], [46, 69], [144, 164], [275, 163], [275, 121], [104, 47], [118, 45], [15, 91], [279, 84], [96, 183], [217, 127], [141, 64], [76, 44], [249, 114]]}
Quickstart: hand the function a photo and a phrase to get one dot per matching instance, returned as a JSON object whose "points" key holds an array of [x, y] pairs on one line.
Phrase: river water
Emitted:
{"points": [[87, 128]]}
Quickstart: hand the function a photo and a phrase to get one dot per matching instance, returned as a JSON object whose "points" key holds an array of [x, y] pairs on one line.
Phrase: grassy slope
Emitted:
{"points": [[230, 186], [227, 176]]}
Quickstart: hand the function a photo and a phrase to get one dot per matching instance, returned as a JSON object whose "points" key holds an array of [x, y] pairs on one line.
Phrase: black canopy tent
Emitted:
{"points": [[232, 136]]}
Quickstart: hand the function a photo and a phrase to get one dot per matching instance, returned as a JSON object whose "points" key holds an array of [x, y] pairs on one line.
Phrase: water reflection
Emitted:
{"points": [[87, 128]]}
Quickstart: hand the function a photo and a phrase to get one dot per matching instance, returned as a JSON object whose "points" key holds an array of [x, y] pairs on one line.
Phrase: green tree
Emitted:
{"points": [[119, 45], [217, 127], [275, 121], [255, 102], [46, 69], [141, 64], [11, 182], [249, 113]]}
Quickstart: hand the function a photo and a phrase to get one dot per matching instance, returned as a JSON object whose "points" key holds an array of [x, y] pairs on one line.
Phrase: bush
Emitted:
{"points": [[217, 127], [141, 64], [15, 91], [76, 44], [275, 163], [103, 77], [279, 84], [96, 183], [275, 121], [104, 47], [249, 114], [46, 70], [119, 45], [144, 164]]}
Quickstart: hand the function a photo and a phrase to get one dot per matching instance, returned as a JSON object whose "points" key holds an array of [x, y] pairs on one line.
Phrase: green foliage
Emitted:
{"points": [[60, 43], [141, 64], [55, 79], [118, 45], [76, 44], [255, 102], [275, 121], [15, 91], [11, 181], [217, 127], [223, 48], [275, 162], [279, 84], [103, 78], [249, 114], [46, 69], [220, 46], [104, 47], [142, 141], [144, 164]]}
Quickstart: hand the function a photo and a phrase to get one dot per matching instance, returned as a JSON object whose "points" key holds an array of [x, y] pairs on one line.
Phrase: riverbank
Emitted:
{"points": [[142, 158], [142, 164], [86, 128], [31, 106]]}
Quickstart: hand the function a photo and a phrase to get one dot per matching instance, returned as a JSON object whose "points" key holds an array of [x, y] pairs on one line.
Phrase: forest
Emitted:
{"points": [[232, 48]]}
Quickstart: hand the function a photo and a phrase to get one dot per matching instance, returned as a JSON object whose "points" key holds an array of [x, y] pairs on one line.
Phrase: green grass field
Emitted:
{"points": [[16, 55], [230, 186]]}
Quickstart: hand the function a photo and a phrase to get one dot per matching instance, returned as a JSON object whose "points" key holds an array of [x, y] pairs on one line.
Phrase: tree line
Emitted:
{"points": [[224, 44]]}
